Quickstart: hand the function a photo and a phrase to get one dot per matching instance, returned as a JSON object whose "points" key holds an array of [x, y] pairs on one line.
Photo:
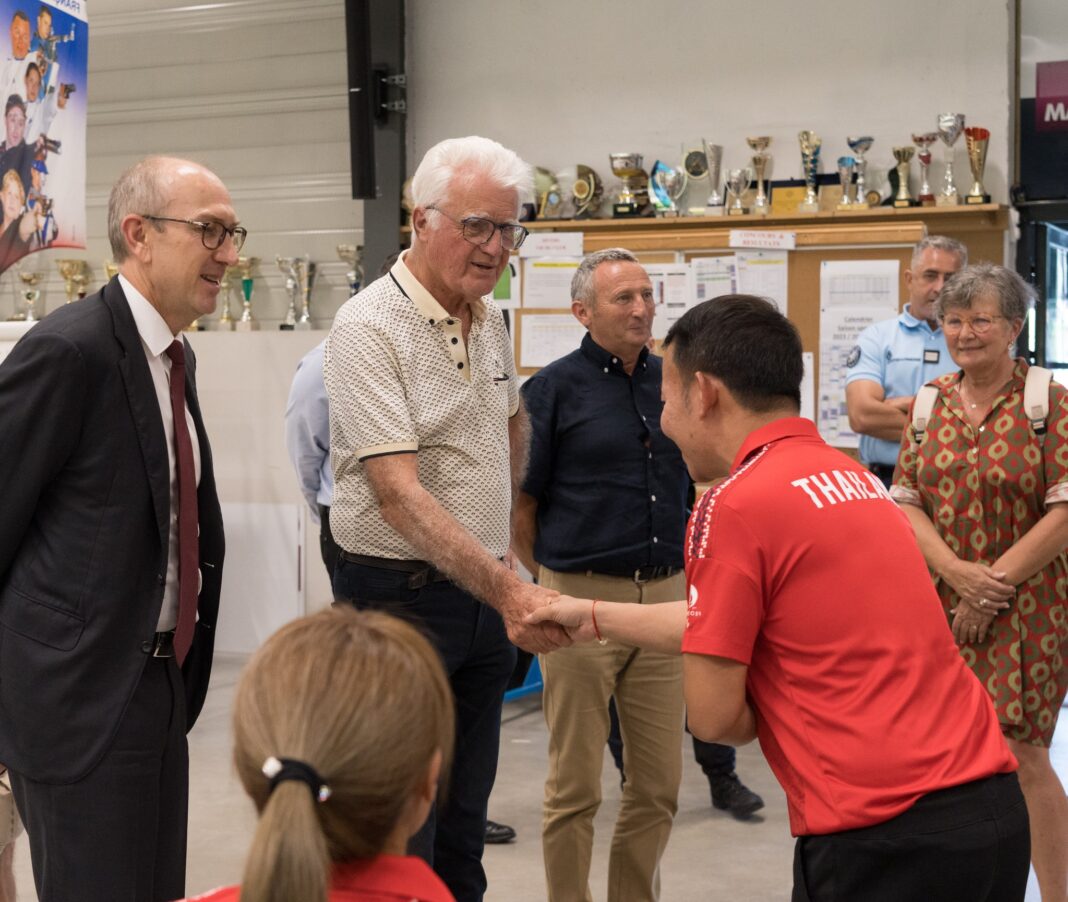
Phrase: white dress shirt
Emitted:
{"points": [[156, 337]]}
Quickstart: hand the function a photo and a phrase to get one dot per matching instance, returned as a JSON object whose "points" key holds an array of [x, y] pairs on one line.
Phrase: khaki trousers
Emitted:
{"points": [[648, 691]]}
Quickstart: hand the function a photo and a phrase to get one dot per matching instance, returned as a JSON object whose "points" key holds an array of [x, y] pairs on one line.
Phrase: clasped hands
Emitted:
{"points": [[542, 620], [984, 592]]}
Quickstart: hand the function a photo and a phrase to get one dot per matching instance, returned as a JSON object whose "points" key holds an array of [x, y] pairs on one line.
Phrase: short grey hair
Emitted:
{"points": [[939, 243], [470, 158], [139, 190], [1014, 296], [582, 281]]}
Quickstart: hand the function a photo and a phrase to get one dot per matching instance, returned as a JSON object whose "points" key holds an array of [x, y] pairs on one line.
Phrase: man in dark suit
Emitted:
{"points": [[111, 524]]}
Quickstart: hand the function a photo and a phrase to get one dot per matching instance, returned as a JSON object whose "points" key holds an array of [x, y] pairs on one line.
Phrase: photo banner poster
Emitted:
{"points": [[44, 57]]}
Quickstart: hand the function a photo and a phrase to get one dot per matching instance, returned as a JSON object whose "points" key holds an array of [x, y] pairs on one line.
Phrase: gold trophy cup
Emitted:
{"points": [[903, 155], [75, 275], [976, 140]]}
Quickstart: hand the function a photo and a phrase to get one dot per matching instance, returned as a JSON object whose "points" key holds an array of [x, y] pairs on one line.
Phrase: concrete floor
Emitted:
{"points": [[710, 855]]}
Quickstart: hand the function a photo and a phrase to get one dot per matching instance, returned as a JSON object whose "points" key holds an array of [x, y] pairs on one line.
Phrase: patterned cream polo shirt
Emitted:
{"points": [[400, 379]]}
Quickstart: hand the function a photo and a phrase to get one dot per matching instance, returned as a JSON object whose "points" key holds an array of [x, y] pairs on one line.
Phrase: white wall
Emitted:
{"points": [[567, 82], [255, 91]]}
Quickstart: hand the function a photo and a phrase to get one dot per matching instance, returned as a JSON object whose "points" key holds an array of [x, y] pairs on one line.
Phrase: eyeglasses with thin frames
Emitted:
{"points": [[980, 324], [478, 230], [212, 234]]}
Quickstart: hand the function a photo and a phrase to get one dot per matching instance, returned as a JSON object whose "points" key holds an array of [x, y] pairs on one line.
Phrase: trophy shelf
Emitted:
{"points": [[880, 225]]}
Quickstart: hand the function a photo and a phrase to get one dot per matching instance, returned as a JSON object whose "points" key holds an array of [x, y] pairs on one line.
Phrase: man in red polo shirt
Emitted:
{"points": [[839, 659]]}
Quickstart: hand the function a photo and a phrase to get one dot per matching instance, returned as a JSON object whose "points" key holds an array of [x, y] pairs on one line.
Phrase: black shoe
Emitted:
{"points": [[498, 834], [730, 794]]}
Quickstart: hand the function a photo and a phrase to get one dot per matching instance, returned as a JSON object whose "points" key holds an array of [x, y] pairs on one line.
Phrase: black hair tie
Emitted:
{"points": [[278, 770]]}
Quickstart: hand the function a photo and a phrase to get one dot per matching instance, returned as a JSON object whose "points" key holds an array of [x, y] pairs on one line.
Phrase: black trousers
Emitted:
{"points": [[328, 548], [970, 843], [119, 833], [479, 659]]}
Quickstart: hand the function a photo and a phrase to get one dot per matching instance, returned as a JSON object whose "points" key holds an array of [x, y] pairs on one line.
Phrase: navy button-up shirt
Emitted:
{"points": [[611, 489]]}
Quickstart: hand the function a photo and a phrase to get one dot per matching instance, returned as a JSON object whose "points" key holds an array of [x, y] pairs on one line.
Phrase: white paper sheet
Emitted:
{"points": [[808, 387], [552, 244], [672, 293], [545, 337], [713, 276], [763, 273], [547, 281], [853, 295]]}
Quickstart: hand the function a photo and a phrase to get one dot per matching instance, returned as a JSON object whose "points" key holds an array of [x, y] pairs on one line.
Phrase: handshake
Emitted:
{"points": [[540, 620]]}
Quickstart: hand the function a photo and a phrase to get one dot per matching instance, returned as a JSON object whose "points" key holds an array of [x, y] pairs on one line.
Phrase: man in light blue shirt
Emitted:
{"points": [[894, 358], [308, 442]]}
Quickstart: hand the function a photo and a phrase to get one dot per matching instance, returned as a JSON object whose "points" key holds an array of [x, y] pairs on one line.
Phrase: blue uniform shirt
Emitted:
{"points": [[611, 488], [308, 431], [901, 354]]}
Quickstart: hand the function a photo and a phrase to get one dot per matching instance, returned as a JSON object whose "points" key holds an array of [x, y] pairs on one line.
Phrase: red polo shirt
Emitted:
{"points": [[800, 566], [386, 878]]}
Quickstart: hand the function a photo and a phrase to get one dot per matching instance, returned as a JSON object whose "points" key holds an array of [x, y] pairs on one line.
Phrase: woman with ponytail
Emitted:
{"points": [[343, 731]]}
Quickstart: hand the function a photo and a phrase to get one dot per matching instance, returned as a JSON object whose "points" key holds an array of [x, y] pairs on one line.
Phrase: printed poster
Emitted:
{"points": [[44, 53]]}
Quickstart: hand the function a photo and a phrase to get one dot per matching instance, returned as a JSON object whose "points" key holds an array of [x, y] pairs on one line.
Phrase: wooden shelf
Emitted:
{"points": [[880, 225]]}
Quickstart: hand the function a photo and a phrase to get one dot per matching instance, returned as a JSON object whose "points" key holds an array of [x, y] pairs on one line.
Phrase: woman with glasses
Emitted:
{"points": [[988, 499]]}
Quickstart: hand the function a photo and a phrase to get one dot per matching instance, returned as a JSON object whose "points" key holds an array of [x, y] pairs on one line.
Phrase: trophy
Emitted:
{"points": [[860, 146], [353, 255], [300, 275], [810, 164], [738, 182], [587, 191], [245, 265], [549, 201], [846, 167], [31, 294], [75, 275], [950, 125], [714, 156], [668, 185], [226, 319], [760, 161], [923, 141], [111, 269], [976, 140], [634, 192], [695, 164], [903, 155]]}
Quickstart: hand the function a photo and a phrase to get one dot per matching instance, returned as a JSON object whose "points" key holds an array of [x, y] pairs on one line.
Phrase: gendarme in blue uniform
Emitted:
{"points": [[611, 488], [901, 354]]}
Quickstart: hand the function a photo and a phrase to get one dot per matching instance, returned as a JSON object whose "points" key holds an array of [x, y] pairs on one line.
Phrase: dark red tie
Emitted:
{"points": [[188, 541]]}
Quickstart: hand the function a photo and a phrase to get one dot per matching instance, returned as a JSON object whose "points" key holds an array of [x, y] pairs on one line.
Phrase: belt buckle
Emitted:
{"points": [[419, 578], [162, 645]]}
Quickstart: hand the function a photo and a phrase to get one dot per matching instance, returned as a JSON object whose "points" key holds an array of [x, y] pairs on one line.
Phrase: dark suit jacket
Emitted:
{"points": [[85, 495]]}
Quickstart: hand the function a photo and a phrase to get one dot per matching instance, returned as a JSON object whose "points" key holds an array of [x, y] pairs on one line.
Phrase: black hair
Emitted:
{"points": [[745, 342]]}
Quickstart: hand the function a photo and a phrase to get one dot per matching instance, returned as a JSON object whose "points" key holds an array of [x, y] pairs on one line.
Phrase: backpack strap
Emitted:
{"points": [[1036, 397], [921, 409]]}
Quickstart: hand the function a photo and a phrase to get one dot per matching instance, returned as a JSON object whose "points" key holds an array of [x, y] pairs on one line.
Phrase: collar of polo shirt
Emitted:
{"points": [[424, 301]]}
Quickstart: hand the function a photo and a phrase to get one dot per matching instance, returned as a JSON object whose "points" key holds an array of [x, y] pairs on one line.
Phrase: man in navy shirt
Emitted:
{"points": [[601, 515]]}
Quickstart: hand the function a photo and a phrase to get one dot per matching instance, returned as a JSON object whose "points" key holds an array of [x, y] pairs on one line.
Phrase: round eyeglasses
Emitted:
{"points": [[980, 324], [478, 230], [212, 234]]}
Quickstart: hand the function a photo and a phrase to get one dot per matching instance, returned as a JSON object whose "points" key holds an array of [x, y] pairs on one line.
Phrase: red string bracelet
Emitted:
{"points": [[593, 616]]}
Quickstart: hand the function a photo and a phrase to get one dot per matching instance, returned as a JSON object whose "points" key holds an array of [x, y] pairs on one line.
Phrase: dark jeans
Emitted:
{"points": [[327, 546], [970, 843], [120, 831], [479, 660], [885, 472]]}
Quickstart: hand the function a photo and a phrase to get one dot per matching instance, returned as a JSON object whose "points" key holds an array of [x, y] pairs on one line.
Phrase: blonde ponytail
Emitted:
{"points": [[360, 697]]}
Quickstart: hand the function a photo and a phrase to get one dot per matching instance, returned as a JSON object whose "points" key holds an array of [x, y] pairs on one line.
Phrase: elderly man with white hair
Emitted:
{"points": [[429, 442]]}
